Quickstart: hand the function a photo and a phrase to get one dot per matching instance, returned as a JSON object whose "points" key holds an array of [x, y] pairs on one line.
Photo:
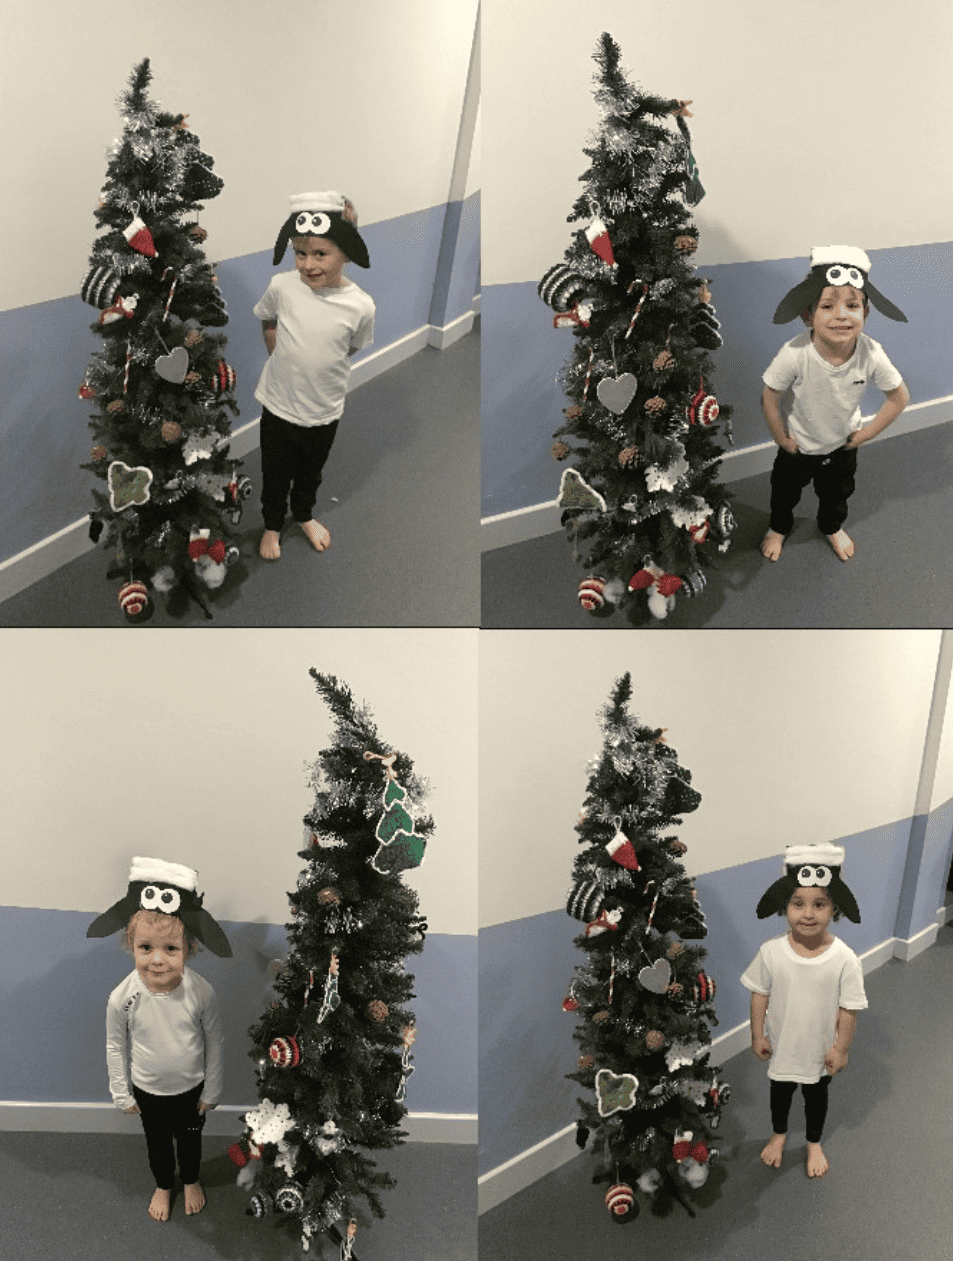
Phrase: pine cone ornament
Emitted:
{"points": [[97, 454], [329, 897], [377, 1010], [686, 244], [171, 431], [655, 405], [560, 450], [654, 1040], [663, 361], [628, 456]]}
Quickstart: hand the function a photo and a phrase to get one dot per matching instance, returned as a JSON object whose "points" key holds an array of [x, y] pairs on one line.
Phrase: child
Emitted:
{"points": [[828, 369], [164, 1044], [810, 985], [313, 320]]}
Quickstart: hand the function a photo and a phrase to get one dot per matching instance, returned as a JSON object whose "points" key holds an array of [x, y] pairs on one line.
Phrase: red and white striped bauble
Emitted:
{"points": [[704, 989], [591, 593], [133, 598], [620, 1198], [224, 377], [285, 1052]]}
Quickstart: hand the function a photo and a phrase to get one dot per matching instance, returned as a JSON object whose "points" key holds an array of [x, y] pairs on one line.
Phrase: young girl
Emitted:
{"points": [[313, 320], [810, 986], [164, 1043], [827, 369]]}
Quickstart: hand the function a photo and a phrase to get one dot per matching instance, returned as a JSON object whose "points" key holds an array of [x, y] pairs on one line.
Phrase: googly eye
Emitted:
{"points": [[153, 898], [839, 275], [806, 876], [307, 222], [823, 876]]}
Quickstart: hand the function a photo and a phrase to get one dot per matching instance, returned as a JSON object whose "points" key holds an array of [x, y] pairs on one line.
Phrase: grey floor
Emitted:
{"points": [[400, 497], [886, 1197], [84, 1196], [901, 520]]}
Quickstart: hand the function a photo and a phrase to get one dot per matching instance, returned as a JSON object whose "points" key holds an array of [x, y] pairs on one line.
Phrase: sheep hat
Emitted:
{"points": [[808, 867], [834, 265], [327, 214], [155, 885]]}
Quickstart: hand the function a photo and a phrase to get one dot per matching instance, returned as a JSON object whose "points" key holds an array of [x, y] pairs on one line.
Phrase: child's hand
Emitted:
{"points": [[762, 1048], [203, 1107], [855, 439], [790, 446], [835, 1061], [134, 1108]]}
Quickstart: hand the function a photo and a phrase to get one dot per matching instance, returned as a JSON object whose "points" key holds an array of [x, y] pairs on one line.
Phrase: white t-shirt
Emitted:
{"points": [[305, 378], [164, 1043], [805, 996], [826, 406]]}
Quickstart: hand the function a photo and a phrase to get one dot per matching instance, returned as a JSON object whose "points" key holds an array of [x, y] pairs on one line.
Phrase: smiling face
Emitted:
{"points": [[320, 262], [809, 912], [159, 950], [837, 317]]}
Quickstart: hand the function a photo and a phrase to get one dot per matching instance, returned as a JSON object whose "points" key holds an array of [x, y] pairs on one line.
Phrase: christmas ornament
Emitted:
{"points": [[329, 897], [561, 287], [703, 408], [620, 850], [201, 544], [134, 601], [591, 593], [663, 361], [615, 1093], [810, 867], [117, 405], [655, 406], [657, 478], [121, 308], [704, 989], [128, 486], [705, 327], [638, 310], [408, 1038], [574, 492], [560, 450], [269, 1122], [580, 316], [649, 1182], [223, 378], [834, 265], [607, 921], [686, 244], [285, 1052], [570, 1003], [289, 1199], [654, 1040], [585, 1061], [682, 1054], [377, 1010], [597, 234], [332, 999], [140, 238], [202, 444], [616, 393], [585, 900], [628, 456], [347, 1243], [97, 454], [173, 366], [99, 286], [86, 390], [260, 1205], [171, 431], [657, 977], [619, 1199]]}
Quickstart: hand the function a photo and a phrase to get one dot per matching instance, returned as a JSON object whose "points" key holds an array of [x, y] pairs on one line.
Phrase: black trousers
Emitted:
{"points": [[292, 460], [833, 478], [815, 1106], [172, 1124]]}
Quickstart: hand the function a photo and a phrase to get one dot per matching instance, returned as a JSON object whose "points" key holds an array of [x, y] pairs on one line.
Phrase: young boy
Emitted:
{"points": [[164, 1044], [313, 320], [828, 369], [809, 986]]}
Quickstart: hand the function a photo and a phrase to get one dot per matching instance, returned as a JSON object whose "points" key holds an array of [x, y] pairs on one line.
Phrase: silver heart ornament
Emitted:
{"points": [[657, 977], [616, 393], [174, 366]]}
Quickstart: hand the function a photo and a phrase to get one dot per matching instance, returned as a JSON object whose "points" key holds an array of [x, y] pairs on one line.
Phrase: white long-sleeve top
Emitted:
{"points": [[164, 1043]]}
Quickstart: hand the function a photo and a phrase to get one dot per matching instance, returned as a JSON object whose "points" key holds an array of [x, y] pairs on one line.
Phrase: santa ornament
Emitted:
{"points": [[810, 867], [834, 265], [156, 885]]}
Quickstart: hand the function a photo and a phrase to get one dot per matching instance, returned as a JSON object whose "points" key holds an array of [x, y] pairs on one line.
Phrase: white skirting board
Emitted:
{"points": [[49, 554], [529, 1166], [225, 1120], [523, 524]]}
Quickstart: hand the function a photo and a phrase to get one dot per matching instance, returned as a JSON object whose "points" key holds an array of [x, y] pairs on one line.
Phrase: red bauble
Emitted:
{"points": [[285, 1052], [700, 1153], [619, 1199], [591, 593]]}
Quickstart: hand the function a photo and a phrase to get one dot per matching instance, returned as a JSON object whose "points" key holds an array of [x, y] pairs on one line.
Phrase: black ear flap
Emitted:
{"points": [[799, 299], [284, 236], [777, 897], [842, 897], [884, 306], [115, 918], [201, 925]]}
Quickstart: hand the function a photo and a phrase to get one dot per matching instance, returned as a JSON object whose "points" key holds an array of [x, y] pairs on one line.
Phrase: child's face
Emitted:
{"points": [[159, 951], [320, 262], [809, 913], [839, 315]]}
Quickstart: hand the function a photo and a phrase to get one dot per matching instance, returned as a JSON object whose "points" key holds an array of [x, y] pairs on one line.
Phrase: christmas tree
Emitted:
{"points": [[160, 386], [333, 1051], [641, 501], [643, 997]]}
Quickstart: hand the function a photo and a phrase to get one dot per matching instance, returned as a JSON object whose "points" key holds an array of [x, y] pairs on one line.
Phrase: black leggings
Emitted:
{"points": [[833, 478], [292, 461], [167, 1119], [815, 1106]]}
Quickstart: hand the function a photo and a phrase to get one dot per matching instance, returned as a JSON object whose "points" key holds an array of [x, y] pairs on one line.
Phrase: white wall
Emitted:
{"points": [[285, 96], [814, 122], [194, 747], [943, 783], [790, 736]]}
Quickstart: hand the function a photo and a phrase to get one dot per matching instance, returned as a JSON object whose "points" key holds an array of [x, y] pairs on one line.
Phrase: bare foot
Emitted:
{"points": [[771, 545], [842, 544], [270, 547], [316, 532], [159, 1206], [194, 1197], [817, 1165], [774, 1150]]}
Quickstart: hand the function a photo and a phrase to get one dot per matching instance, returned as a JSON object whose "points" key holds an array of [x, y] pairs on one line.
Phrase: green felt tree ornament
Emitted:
{"points": [[642, 503], [642, 998], [333, 1049], [160, 388]]}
